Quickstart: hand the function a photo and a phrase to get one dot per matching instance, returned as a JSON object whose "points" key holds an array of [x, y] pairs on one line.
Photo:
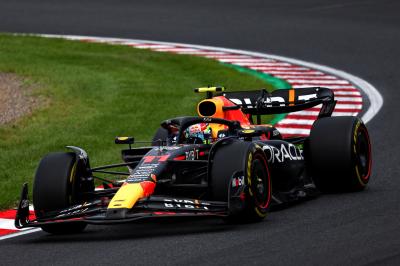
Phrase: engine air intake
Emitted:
{"points": [[207, 108]]}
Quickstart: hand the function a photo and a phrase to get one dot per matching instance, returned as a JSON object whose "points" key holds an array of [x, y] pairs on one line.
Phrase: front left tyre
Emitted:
{"points": [[58, 185]]}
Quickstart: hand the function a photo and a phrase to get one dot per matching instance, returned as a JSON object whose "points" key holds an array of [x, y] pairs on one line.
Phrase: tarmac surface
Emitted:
{"points": [[359, 37]]}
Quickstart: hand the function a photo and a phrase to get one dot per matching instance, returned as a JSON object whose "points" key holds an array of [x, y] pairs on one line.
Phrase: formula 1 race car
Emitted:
{"points": [[220, 163]]}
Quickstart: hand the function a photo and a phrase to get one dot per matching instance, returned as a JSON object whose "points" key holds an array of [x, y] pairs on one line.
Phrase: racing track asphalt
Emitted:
{"points": [[359, 37]]}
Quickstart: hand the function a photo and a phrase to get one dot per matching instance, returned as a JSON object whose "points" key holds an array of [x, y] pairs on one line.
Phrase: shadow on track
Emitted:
{"points": [[146, 229]]}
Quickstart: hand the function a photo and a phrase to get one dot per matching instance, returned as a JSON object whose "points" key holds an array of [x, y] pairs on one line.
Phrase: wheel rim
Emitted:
{"points": [[260, 182]]}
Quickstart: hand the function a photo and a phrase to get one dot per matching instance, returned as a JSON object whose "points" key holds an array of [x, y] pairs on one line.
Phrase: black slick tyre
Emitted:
{"points": [[247, 160], [339, 154], [55, 187]]}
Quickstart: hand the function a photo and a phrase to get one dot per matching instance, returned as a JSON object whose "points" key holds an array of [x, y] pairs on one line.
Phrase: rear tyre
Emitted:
{"points": [[340, 154], [160, 137], [247, 160], [57, 186]]}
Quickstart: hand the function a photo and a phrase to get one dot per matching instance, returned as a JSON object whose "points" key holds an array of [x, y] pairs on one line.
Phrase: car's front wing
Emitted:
{"points": [[96, 211]]}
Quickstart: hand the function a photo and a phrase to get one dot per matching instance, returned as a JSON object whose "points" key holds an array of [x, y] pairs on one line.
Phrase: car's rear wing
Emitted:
{"points": [[261, 102]]}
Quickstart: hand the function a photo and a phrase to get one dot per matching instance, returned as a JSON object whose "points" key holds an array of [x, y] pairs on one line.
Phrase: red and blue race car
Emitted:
{"points": [[223, 163]]}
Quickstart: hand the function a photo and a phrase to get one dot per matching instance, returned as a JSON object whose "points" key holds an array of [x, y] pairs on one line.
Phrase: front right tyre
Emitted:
{"points": [[246, 161]]}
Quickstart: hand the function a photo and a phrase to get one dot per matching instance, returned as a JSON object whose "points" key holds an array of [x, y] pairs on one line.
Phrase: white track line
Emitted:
{"points": [[20, 233], [349, 99], [264, 65], [288, 121], [317, 81], [251, 61], [8, 224], [347, 93], [268, 68], [299, 131], [297, 73], [307, 77]]}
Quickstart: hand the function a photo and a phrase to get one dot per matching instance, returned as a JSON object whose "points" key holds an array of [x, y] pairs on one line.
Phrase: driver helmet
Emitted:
{"points": [[200, 131]]}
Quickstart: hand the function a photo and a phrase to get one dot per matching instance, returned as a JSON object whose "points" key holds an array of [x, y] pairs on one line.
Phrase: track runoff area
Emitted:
{"points": [[354, 95]]}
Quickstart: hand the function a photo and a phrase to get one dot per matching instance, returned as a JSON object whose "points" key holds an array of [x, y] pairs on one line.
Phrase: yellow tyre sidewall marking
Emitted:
{"points": [[361, 182]]}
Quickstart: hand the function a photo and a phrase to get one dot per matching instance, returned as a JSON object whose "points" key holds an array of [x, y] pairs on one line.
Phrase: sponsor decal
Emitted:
{"points": [[221, 135], [137, 178], [238, 181], [307, 97], [192, 155], [271, 101], [246, 101], [155, 159], [185, 204], [24, 204], [77, 209], [72, 213], [166, 148], [285, 152], [142, 173]]}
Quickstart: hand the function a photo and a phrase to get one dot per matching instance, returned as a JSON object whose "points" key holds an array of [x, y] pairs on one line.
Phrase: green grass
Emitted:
{"points": [[96, 92]]}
